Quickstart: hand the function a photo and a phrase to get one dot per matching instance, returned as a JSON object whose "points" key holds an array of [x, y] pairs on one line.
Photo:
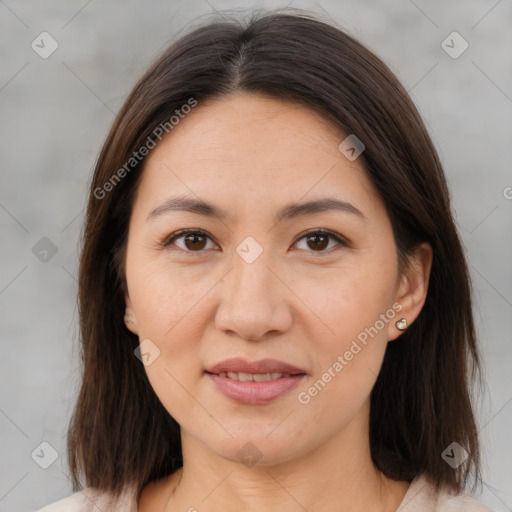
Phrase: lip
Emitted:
{"points": [[250, 392], [261, 366], [255, 393]]}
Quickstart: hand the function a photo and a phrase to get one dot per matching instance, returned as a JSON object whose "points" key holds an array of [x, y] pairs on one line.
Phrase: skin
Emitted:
{"points": [[251, 155]]}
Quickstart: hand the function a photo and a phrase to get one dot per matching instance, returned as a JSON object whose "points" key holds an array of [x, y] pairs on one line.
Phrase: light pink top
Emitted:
{"points": [[420, 497]]}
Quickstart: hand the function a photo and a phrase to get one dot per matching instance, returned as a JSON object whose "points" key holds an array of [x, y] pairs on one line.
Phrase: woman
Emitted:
{"points": [[275, 306]]}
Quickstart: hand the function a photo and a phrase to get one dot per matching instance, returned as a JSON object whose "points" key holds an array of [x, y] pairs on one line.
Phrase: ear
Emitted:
{"points": [[412, 288], [130, 319]]}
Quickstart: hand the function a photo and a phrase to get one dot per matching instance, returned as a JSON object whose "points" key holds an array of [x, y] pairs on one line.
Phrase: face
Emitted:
{"points": [[315, 289]]}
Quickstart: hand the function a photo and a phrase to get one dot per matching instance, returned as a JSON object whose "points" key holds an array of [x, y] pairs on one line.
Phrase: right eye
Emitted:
{"points": [[194, 240]]}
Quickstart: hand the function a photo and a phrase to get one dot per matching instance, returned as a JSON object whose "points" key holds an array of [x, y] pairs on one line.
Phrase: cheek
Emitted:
{"points": [[347, 362], [347, 303], [164, 296], [349, 337], [166, 307]]}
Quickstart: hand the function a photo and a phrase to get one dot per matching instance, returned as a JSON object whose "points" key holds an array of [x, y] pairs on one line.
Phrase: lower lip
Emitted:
{"points": [[255, 393]]}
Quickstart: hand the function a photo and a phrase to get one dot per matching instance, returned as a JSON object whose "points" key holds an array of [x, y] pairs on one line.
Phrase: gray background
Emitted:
{"points": [[56, 113]]}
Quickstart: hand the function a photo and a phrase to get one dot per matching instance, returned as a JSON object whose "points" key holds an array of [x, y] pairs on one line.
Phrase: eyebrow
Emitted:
{"points": [[290, 211]]}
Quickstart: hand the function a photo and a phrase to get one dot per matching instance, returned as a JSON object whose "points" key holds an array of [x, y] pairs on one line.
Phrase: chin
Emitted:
{"points": [[257, 448]]}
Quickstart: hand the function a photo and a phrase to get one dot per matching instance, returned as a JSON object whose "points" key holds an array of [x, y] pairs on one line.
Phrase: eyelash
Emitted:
{"points": [[181, 233]]}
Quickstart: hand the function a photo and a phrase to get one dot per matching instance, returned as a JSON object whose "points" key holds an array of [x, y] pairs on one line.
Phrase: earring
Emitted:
{"points": [[401, 324], [128, 321]]}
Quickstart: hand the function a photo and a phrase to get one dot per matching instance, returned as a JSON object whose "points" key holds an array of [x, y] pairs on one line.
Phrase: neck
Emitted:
{"points": [[338, 475]]}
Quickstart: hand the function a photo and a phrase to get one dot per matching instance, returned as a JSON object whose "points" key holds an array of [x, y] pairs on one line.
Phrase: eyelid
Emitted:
{"points": [[177, 234], [167, 241], [340, 239]]}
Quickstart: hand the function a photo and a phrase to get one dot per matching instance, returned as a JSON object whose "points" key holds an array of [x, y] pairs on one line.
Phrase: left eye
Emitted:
{"points": [[319, 239], [196, 240]]}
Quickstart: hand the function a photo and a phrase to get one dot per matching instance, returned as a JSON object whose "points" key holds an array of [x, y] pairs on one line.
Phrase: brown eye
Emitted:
{"points": [[318, 241], [192, 240], [195, 241]]}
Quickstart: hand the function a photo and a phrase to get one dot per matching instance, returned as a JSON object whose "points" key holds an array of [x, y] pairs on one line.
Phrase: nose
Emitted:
{"points": [[255, 304]]}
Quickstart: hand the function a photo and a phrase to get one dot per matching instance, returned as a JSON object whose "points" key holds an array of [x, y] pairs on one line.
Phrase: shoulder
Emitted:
{"points": [[460, 502], [91, 500], [80, 501], [421, 497]]}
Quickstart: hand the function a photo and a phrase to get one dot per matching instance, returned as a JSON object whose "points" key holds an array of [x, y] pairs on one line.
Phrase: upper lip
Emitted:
{"points": [[261, 366]]}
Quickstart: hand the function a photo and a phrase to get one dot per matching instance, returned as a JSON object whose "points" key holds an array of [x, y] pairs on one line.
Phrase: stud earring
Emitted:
{"points": [[401, 324], [128, 321]]}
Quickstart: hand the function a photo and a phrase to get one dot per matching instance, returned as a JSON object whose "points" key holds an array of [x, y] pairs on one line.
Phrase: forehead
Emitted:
{"points": [[256, 151]]}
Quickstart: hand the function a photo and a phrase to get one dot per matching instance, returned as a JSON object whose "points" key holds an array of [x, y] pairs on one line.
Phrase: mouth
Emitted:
{"points": [[254, 383], [261, 367], [254, 377]]}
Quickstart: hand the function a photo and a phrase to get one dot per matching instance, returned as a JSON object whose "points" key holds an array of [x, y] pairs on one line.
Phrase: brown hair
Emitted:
{"points": [[120, 433]]}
